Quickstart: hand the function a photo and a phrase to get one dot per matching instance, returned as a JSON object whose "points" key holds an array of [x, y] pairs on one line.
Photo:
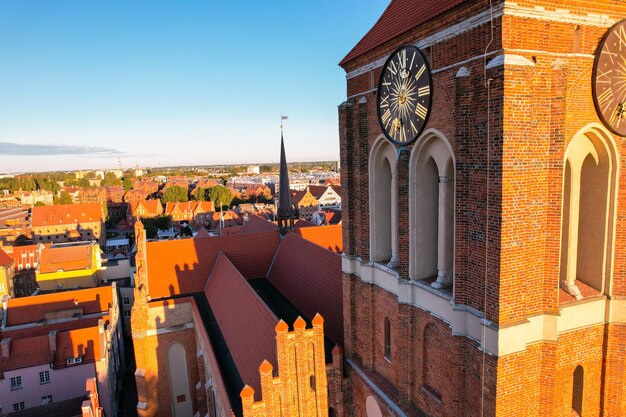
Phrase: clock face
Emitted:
{"points": [[609, 79], [404, 95]]}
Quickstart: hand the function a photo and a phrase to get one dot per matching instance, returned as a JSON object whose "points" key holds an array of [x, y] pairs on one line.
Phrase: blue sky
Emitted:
{"points": [[172, 82]]}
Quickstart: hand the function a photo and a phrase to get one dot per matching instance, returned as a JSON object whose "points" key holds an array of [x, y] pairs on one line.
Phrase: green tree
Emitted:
{"points": [[220, 196], [110, 180], [71, 183], [64, 198], [84, 183], [175, 193], [200, 194], [39, 203], [127, 183]]}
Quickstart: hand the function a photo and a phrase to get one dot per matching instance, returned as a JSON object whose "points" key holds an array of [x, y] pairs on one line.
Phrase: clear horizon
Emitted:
{"points": [[172, 84]]}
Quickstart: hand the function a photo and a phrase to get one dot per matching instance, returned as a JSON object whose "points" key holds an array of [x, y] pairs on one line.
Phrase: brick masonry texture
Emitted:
{"points": [[531, 113]]}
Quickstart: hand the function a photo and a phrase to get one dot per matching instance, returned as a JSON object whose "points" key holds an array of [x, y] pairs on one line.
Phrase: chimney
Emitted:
{"points": [[52, 341], [5, 347]]}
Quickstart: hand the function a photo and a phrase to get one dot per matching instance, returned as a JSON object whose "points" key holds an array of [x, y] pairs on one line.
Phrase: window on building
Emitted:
{"points": [[126, 301], [126, 313], [74, 361], [18, 406], [382, 184], [589, 192], [44, 377], [432, 212], [577, 391], [16, 383], [387, 350], [46, 399], [1, 287]]}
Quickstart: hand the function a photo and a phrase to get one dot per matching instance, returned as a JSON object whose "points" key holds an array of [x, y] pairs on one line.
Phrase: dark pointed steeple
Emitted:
{"points": [[286, 212]]}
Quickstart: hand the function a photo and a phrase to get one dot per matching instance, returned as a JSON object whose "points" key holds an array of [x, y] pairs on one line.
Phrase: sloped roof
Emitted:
{"points": [[184, 265], [23, 353], [32, 309], [399, 17], [329, 237], [84, 342], [5, 259], [66, 214], [302, 223], [256, 224], [202, 233], [317, 190], [309, 276], [246, 323], [151, 206], [66, 258]]}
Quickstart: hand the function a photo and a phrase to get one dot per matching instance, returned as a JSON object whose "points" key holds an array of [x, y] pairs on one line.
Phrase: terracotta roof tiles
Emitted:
{"points": [[399, 17], [309, 276], [66, 258], [32, 309], [246, 323], [66, 214], [256, 224], [329, 237], [5, 259], [184, 265]]}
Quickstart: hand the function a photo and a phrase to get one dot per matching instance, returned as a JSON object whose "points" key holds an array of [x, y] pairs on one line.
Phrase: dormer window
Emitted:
{"points": [[74, 361]]}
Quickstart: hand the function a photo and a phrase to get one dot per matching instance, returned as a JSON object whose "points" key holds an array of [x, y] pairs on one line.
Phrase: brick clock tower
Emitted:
{"points": [[484, 266]]}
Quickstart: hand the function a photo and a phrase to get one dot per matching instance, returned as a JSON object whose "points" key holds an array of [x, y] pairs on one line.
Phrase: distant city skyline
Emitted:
{"points": [[169, 84]]}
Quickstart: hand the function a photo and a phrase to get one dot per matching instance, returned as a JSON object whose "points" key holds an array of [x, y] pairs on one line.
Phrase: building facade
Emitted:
{"points": [[68, 222], [482, 266]]}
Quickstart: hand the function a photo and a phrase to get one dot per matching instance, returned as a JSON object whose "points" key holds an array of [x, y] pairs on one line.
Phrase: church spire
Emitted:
{"points": [[285, 210]]}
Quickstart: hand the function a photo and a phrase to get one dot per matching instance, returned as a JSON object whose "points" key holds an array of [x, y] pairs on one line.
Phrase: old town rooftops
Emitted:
{"points": [[66, 214]]}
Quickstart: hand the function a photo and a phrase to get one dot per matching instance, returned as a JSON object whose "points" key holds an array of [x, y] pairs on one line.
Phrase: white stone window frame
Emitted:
{"points": [[16, 382], [602, 140], [433, 143], [382, 149], [44, 377]]}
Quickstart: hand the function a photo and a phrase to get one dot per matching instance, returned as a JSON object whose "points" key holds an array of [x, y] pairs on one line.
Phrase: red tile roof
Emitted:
{"points": [[66, 214], [184, 265], [189, 207], [256, 224], [310, 278], [302, 223], [246, 323], [317, 190], [399, 17], [66, 258], [83, 342], [150, 206], [26, 352], [332, 181], [5, 259], [329, 237], [32, 309]]}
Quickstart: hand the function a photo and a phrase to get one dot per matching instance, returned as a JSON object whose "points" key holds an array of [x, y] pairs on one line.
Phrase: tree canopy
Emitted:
{"points": [[127, 183], [220, 195], [175, 193], [64, 198], [110, 179]]}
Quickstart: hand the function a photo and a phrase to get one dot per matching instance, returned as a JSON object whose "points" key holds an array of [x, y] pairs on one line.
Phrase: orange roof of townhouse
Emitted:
{"points": [[184, 265], [66, 214], [189, 207], [246, 322], [5, 259], [32, 309], [83, 343], [399, 17], [65, 258], [329, 237], [309, 276], [26, 352], [332, 181], [150, 206], [317, 190]]}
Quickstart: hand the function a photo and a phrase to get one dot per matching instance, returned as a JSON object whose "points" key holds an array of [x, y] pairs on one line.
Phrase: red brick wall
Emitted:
{"points": [[532, 114]]}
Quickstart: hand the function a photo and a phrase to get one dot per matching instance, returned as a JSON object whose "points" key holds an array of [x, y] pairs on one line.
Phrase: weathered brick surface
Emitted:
{"points": [[508, 128]]}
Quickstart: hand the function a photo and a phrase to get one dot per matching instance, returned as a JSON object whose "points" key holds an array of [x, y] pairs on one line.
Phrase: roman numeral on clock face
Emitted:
{"points": [[423, 91], [420, 72], [386, 118], [605, 98], [421, 111]]}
